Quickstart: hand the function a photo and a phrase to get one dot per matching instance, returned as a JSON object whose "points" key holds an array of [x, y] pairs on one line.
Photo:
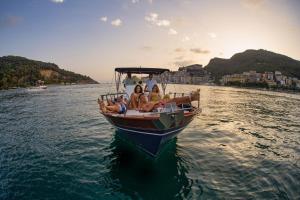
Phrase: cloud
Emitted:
{"points": [[138, 1], [179, 50], [57, 1], [153, 19], [185, 39], [184, 62], [104, 19], [199, 51], [146, 48], [163, 22], [116, 22], [212, 35], [179, 57], [252, 3], [10, 21], [172, 32]]}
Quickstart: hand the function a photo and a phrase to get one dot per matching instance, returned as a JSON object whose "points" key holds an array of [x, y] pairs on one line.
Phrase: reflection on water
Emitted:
{"points": [[141, 176], [54, 144]]}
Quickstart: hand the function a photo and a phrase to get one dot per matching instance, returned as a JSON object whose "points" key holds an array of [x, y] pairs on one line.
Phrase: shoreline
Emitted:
{"points": [[266, 89], [54, 84], [250, 88]]}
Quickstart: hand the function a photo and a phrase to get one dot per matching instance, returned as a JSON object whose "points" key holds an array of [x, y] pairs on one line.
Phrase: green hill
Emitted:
{"points": [[18, 71], [258, 60]]}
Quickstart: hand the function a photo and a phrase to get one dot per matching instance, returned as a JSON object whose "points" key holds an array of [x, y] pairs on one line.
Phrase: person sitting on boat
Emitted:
{"points": [[150, 83], [119, 105], [150, 106], [134, 97], [154, 95]]}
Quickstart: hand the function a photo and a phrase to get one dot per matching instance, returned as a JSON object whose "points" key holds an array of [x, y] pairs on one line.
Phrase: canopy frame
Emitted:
{"points": [[119, 71], [141, 70]]}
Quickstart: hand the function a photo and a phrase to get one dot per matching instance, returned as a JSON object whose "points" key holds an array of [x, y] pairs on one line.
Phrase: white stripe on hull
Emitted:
{"points": [[149, 133]]}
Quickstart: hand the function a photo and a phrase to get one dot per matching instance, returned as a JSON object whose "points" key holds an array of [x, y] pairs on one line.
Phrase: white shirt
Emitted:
{"points": [[150, 84]]}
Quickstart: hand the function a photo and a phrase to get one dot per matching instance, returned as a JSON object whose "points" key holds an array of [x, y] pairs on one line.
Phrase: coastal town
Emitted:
{"points": [[266, 79], [193, 74], [196, 74]]}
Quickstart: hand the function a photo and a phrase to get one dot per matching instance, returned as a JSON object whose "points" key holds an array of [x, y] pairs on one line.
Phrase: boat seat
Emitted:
{"points": [[138, 113]]}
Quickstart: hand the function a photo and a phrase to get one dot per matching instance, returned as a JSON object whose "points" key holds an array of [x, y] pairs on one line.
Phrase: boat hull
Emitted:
{"points": [[151, 133], [147, 141]]}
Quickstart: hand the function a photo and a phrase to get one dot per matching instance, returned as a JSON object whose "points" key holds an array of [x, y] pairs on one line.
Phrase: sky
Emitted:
{"points": [[92, 37]]}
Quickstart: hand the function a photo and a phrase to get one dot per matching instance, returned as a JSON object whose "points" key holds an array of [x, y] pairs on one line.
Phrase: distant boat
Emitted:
{"points": [[39, 86], [149, 130], [42, 87]]}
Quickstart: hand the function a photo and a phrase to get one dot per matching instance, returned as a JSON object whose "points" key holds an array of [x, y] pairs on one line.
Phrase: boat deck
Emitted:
{"points": [[136, 113]]}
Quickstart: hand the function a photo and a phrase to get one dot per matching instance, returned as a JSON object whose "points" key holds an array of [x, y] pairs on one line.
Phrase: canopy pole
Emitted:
{"points": [[118, 80], [199, 99], [163, 83]]}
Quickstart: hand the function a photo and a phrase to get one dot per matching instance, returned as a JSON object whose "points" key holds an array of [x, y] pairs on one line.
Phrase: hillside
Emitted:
{"points": [[18, 71], [258, 60]]}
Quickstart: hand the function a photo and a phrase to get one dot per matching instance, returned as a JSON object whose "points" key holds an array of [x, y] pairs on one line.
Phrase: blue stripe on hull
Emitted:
{"points": [[147, 141]]}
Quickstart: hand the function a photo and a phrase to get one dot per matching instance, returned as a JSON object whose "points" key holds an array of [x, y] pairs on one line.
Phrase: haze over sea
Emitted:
{"points": [[54, 144]]}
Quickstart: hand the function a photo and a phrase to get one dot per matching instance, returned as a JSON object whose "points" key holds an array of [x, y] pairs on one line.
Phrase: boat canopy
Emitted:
{"points": [[141, 70]]}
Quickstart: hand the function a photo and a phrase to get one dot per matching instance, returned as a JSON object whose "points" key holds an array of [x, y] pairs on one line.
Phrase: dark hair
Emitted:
{"points": [[135, 88], [155, 85]]}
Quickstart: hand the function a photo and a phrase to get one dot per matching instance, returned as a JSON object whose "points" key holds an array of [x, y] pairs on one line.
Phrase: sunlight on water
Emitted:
{"points": [[54, 144]]}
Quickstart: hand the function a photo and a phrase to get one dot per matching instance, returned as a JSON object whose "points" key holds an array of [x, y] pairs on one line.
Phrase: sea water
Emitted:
{"points": [[54, 144]]}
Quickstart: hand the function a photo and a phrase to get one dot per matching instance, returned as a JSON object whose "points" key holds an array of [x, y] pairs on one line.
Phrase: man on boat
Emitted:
{"points": [[150, 83], [129, 80]]}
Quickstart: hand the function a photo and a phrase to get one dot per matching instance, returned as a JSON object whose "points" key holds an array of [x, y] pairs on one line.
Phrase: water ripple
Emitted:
{"points": [[54, 144]]}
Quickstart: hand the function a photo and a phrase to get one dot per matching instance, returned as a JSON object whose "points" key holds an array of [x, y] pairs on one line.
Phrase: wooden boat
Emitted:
{"points": [[149, 130]]}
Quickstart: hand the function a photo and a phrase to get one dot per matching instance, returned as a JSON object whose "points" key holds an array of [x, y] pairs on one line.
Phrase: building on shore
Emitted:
{"points": [[272, 79], [193, 74]]}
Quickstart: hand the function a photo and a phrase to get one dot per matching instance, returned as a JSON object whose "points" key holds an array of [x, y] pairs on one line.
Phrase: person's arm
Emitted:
{"points": [[146, 86], [159, 96], [150, 96]]}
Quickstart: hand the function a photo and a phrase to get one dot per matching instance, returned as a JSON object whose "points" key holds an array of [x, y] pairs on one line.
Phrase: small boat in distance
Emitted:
{"points": [[39, 86], [152, 129]]}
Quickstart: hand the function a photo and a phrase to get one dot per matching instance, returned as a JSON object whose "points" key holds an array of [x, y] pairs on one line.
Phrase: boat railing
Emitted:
{"points": [[177, 94], [112, 96]]}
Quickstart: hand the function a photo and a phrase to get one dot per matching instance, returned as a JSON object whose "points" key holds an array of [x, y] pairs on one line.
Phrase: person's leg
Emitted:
{"points": [[147, 107], [195, 95], [102, 106], [114, 108], [180, 100], [133, 102], [109, 102]]}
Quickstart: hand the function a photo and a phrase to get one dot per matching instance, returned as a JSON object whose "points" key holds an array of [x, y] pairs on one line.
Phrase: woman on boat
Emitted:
{"points": [[150, 106], [154, 95], [116, 106], [134, 98]]}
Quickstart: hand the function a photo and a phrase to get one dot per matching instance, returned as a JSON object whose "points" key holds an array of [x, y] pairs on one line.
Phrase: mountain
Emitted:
{"points": [[258, 60], [16, 71]]}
